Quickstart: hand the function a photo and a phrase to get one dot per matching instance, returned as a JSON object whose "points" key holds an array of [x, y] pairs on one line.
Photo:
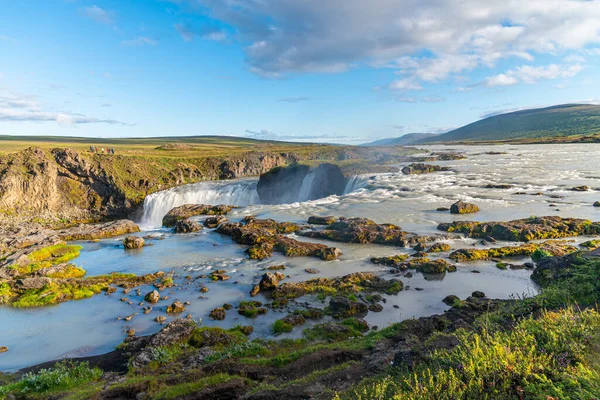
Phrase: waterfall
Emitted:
{"points": [[236, 193], [355, 183], [306, 188]]}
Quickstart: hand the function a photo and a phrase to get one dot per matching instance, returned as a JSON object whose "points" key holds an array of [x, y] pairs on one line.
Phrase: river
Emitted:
{"points": [[89, 327]]}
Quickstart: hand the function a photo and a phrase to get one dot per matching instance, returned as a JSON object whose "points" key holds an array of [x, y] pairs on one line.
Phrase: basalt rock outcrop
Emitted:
{"points": [[420, 168], [460, 207], [524, 230], [300, 182], [190, 210], [267, 235], [362, 230], [559, 248]]}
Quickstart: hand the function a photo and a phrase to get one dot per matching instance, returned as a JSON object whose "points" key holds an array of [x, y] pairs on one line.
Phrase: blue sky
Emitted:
{"points": [[346, 71]]}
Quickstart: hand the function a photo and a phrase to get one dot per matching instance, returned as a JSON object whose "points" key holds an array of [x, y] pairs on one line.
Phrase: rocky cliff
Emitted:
{"points": [[300, 183], [67, 186]]}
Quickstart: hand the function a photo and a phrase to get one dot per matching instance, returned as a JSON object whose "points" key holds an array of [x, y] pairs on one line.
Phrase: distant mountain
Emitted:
{"points": [[550, 122], [402, 140]]}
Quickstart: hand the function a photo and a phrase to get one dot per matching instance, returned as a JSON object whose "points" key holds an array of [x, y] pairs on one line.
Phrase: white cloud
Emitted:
{"points": [[99, 14], [405, 84], [20, 108], [140, 41], [207, 32], [529, 74], [425, 40]]}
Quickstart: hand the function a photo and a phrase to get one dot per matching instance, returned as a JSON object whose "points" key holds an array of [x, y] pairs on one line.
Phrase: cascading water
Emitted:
{"points": [[306, 188], [236, 193], [355, 183]]}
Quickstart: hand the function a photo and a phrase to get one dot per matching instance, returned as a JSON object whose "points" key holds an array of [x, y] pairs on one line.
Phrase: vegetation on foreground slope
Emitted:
{"points": [[543, 347]]}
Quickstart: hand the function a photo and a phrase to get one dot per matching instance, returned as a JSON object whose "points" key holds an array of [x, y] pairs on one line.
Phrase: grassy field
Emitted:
{"points": [[160, 146]]}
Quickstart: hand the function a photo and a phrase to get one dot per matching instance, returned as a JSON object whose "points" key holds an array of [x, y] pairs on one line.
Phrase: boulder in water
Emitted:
{"points": [[321, 220], [597, 204], [187, 226], [461, 207], [133, 242], [419, 168], [152, 297], [342, 307], [176, 307], [191, 210], [581, 189], [213, 222]]}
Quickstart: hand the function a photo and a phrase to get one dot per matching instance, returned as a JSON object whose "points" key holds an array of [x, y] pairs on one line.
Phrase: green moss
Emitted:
{"points": [[281, 326], [6, 293], [538, 254], [217, 338], [71, 271], [251, 309], [48, 256]]}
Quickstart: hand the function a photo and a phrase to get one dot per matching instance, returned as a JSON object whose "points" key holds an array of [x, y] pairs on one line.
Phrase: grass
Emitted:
{"points": [[545, 356], [64, 376], [183, 389], [552, 353]]}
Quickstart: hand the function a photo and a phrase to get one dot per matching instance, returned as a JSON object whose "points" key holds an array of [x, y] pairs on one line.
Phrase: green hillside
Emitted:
{"points": [[550, 122], [403, 140]]}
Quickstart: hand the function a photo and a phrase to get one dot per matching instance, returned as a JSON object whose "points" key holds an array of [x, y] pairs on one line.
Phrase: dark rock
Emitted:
{"points": [[133, 242], [523, 230], [311, 271], [342, 307], [283, 184], [438, 247], [478, 294], [152, 297], [218, 314], [443, 209], [322, 220], [460, 207], [176, 307], [451, 300], [376, 307], [187, 226], [190, 210], [419, 168], [597, 204], [581, 189], [499, 186], [213, 222]]}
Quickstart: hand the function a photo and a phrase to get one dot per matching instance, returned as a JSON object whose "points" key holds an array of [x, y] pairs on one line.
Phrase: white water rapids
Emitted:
{"points": [[239, 193]]}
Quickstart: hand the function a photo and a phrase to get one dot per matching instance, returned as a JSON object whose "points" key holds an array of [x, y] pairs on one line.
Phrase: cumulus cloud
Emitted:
{"points": [[529, 74], [425, 40], [21, 108], [207, 32], [140, 41], [99, 14]]}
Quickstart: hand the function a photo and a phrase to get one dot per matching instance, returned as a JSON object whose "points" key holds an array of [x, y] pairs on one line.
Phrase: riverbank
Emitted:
{"points": [[541, 346]]}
